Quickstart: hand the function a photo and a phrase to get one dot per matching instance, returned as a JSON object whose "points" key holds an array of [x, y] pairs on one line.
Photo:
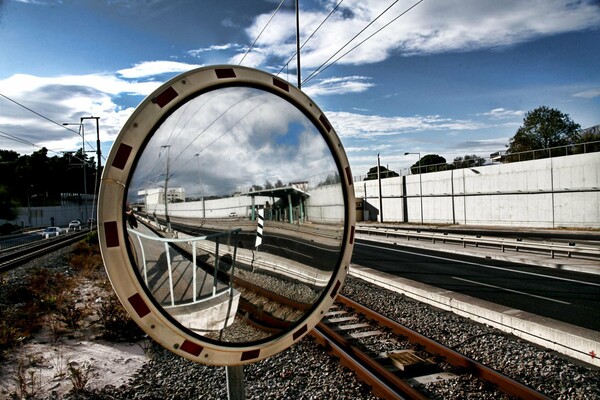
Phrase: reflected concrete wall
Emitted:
{"points": [[325, 204], [556, 192]]}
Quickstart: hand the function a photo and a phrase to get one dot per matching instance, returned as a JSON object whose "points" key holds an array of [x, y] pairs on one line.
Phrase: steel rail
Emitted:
{"points": [[383, 382], [355, 360], [13, 259], [504, 383]]}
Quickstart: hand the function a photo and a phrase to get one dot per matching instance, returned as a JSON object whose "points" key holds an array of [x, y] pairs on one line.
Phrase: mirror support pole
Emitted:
{"points": [[235, 382]]}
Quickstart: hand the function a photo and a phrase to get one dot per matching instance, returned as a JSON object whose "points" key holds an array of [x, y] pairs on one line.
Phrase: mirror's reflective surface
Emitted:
{"points": [[236, 215]]}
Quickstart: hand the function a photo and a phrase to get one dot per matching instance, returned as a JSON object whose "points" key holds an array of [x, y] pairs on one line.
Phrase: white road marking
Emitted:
{"points": [[510, 290], [484, 266]]}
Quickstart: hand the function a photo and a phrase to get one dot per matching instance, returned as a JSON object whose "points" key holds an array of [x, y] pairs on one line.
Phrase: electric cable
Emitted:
{"points": [[321, 68], [310, 37], [351, 40], [44, 117], [261, 32]]}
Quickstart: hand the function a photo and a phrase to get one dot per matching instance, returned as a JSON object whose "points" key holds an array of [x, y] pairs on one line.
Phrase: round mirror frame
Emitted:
{"points": [[111, 211]]}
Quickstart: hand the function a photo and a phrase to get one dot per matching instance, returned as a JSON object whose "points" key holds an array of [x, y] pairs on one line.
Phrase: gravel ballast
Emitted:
{"points": [[305, 371]]}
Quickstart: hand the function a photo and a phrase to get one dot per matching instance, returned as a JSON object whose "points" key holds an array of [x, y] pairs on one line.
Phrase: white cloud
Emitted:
{"points": [[65, 99], [358, 125], [588, 94], [502, 113], [223, 47], [152, 68], [431, 27], [339, 85]]}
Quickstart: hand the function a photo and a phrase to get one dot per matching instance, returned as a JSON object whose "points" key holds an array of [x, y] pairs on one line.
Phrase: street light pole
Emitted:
{"points": [[82, 134], [420, 183], [380, 192], [99, 164]]}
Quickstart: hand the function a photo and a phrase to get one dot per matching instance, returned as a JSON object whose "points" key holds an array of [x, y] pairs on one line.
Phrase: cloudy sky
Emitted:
{"points": [[447, 77]]}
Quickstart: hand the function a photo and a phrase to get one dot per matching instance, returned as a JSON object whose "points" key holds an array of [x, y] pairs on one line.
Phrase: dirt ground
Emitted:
{"points": [[56, 363]]}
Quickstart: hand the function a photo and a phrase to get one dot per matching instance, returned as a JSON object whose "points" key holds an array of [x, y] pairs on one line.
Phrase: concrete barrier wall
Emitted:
{"points": [[219, 208], [48, 216], [325, 204], [557, 192]]}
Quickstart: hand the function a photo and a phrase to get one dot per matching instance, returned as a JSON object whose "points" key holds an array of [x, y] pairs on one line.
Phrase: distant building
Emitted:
{"points": [[157, 195], [497, 156]]}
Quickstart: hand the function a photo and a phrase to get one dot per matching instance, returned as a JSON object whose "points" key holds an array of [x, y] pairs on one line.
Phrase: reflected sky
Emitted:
{"points": [[230, 139]]}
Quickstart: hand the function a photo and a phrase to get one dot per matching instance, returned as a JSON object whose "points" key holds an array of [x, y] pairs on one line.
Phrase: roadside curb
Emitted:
{"points": [[579, 343]]}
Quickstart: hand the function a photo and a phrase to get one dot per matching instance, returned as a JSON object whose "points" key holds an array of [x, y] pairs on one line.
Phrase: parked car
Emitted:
{"points": [[51, 231], [75, 224]]}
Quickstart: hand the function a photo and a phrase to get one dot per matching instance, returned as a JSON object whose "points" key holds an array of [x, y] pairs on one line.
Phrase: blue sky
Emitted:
{"points": [[448, 77]]}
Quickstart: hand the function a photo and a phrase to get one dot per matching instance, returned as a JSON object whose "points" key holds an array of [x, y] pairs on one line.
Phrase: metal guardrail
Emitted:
{"points": [[193, 242], [570, 249]]}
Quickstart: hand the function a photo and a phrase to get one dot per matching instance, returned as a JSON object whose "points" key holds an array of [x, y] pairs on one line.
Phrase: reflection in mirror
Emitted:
{"points": [[235, 215]]}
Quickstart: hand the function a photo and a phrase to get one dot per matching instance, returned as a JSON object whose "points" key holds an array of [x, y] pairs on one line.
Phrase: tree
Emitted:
{"points": [[8, 209], [429, 163], [467, 161], [383, 172], [543, 128]]}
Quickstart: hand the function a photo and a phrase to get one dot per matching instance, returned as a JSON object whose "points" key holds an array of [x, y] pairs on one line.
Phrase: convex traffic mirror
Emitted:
{"points": [[226, 215]]}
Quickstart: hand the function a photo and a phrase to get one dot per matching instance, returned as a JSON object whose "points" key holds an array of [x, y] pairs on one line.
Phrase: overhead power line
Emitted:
{"points": [[311, 35], [17, 139], [322, 67], [44, 117], [261, 32]]}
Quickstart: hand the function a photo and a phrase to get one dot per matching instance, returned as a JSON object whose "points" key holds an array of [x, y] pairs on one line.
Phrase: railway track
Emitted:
{"points": [[413, 360], [16, 256], [350, 331], [396, 362]]}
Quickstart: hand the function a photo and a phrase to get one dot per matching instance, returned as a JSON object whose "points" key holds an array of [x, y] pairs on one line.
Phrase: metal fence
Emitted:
{"points": [[500, 157]]}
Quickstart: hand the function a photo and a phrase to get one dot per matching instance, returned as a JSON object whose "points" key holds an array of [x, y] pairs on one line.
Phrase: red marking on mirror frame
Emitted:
{"points": [[191, 347], [281, 84], [223, 73], [352, 234], [335, 289], [111, 234], [349, 176], [122, 156], [165, 97], [325, 122], [139, 305], [298, 334], [250, 355]]}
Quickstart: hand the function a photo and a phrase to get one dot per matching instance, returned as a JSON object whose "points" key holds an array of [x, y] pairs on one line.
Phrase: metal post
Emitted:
{"points": [[217, 261], [421, 187], [168, 147], [379, 181], [235, 382], [84, 171], [298, 44]]}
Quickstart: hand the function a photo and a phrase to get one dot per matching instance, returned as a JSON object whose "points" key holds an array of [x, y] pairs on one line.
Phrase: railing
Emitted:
{"points": [[192, 241], [499, 157], [568, 249]]}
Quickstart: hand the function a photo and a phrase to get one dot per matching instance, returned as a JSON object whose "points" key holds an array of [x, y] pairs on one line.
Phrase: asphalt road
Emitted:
{"points": [[566, 296]]}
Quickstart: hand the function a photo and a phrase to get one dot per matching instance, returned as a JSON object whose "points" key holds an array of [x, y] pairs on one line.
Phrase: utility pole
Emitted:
{"points": [[380, 197], [298, 44], [99, 163]]}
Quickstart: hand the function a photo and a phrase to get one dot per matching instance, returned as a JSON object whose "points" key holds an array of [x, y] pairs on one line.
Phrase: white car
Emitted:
{"points": [[51, 231], [75, 224]]}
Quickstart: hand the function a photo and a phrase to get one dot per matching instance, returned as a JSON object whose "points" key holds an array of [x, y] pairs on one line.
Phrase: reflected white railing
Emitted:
{"points": [[192, 241]]}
